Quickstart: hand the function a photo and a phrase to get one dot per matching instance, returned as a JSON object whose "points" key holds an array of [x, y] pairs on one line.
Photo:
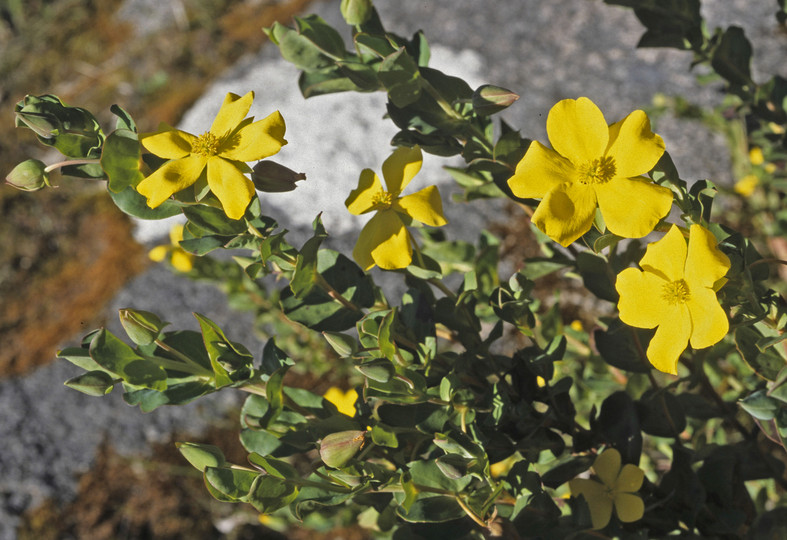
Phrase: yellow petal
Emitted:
{"points": [[607, 466], [632, 206], [255, 141], [539, 171], [709, 321], [746, 185], [401, 167], [633, 146], [424, 206], [629, 507], [597, 499], [641, 303], [181, 260], [230, 185], [705, 264], [361, 199], [384, 241], [667, 257], [630, 479], [577, 130], [232, 112], [170, 178], [671, 339], [158, 253], [344, 401], [168, 142], [566, 212], [176, 234]]}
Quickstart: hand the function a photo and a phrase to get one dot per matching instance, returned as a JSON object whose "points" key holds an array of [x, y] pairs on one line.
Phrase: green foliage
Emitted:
{"points": [[479, 397]]}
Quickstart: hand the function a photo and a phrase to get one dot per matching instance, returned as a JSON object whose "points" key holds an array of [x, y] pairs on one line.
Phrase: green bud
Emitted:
{"points": [[356, 12], [143, 327], [73, 131], [337, 449], [488, 99], [30, 175], [270, 177]]}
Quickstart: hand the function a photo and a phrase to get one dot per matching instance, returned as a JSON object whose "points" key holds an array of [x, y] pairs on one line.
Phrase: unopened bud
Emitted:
{"points": [[270, 177], [356, 12], [488, 99], [30, 175], [142, 327], [337, 449]]}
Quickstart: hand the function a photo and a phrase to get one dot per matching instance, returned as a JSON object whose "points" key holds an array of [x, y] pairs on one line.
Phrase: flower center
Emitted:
{"points": [[206, 145], [597, 171], [676, 292], [382, 200]]}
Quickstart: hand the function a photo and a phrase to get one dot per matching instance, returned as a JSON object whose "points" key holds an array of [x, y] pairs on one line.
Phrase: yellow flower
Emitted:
{"points": [[617, 488], [593, 164], [344, 401], [384, 240], [179, 258], [222, 151], [746, 185], [755, 156], [676, 292]]}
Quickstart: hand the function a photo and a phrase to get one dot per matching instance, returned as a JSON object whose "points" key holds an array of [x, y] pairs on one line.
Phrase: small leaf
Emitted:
{"points": [[120, 160], [92, 383], [201, 455]]}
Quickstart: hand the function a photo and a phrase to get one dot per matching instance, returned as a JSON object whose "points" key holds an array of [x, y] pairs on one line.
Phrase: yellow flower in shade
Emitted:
{"points": [[676, 292], [179, 258], [746, 185], [593, 164], [384, 240], [344, 401], [755, 156], [220, 153], [616, 489]]}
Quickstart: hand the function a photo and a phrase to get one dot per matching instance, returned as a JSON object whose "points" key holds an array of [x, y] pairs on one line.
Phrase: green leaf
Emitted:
{"points": [[314, 44], [213, 220], [400, 76], [428, 509], [766, 364], [201, 456], [318, 310], [621, 345], [92, 383], [225, 355], [124, 121], [270, 493], [134, 204], [428, 473], [233, 483], [760, 405], [117, 357], [597, 275], [732, 57], [661, 414], [342, 344], [274, 359], [305, 276], [120, 160], [326, 81], [274, 467]]}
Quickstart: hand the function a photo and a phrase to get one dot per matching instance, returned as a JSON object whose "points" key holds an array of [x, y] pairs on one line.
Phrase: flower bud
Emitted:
{"points": [[488, 99], [270, 177], [30, 175], [143, 327], [337, 449], [73, 131], [356, 12]]}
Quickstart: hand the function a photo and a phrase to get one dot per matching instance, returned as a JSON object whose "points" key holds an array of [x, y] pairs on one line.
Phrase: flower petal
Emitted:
{"points": [[384, 241], [232, 112], [230, 185], [424, 206], [361, 199], [255, 141], [630, 479], [709, 320], [566, 212], [634, 147], [173, 176], [641, 304], [539, 171], [667, 257], [577, 130], [168, 142], [632, 206], [401, 167], [670, 340], [629, 507], [158, 253], [705, 263], [181, 261], [597, 499], [607, 466]]}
